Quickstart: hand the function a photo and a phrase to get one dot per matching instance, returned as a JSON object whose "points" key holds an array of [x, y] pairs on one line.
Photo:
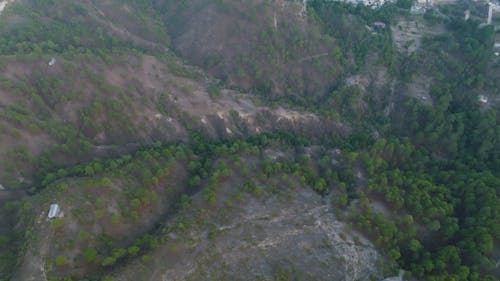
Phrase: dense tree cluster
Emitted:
{"points": [[424, 187]]}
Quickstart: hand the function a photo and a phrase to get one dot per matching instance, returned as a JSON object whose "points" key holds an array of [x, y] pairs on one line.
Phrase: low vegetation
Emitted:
{"points": [[419, 178]]}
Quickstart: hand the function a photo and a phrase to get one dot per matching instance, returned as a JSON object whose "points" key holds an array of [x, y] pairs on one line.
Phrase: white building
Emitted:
{"points": [[369, 3], [420, 6], [54, 211], [483, 99]]}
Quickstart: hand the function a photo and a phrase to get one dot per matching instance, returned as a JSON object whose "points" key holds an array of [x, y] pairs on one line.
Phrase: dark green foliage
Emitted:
{"points": [[214, 90], [454, 203], [90, 255], [48, 27], [336, 19], [435, 167]]}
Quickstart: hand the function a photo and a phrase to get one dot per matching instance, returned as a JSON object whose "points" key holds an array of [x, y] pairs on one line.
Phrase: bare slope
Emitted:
{"points": [[295, 236], [85, 105], [111, 89], [252, 216], [269, 47]]}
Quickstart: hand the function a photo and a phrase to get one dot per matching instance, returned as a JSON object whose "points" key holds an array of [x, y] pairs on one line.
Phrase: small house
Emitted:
{"points": [[53, 211], [483, 99]]}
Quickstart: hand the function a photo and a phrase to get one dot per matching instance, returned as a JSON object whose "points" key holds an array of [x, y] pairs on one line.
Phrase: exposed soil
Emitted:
{"points": [[244, 45], [120, 22], [260, 237], [408, 32], [420, 88], [162, 103], [191, 96]]}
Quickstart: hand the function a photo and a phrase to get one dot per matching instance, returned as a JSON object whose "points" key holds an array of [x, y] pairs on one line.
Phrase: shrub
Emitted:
{"points": [[133, 250], [61, 260], [108, 261], [115, 219], [90, 255], [214, 91], [145, 258], [57, 223]]}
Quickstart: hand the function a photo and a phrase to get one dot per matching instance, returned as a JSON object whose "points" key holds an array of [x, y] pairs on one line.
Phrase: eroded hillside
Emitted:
{"points": [[269, 47], [244, 220], [246, 140]]}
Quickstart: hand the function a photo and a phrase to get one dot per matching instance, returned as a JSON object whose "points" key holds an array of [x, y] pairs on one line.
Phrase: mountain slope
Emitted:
{"points": [[268, 47], [245, 140]]}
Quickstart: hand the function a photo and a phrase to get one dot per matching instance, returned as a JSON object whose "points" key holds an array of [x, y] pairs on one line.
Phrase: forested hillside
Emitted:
{"points": [[247, 140]]}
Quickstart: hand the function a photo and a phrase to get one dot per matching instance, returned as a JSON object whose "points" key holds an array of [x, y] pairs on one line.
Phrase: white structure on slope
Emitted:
{"points": [[483, 99], [369, 3], [52, 61], [2, 5], [491, 8], [53, 211]]}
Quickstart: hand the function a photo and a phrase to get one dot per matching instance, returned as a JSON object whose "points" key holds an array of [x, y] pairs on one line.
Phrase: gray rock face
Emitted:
{"points": [[297, 236]]}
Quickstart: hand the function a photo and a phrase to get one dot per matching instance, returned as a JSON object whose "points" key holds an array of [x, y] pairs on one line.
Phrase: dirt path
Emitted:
{"points": [[259, 234]]}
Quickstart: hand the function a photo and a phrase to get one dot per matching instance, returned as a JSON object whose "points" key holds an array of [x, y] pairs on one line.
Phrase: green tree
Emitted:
{"points": [[61, 260], [90, 255], [133, 250], [108, 261]]}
